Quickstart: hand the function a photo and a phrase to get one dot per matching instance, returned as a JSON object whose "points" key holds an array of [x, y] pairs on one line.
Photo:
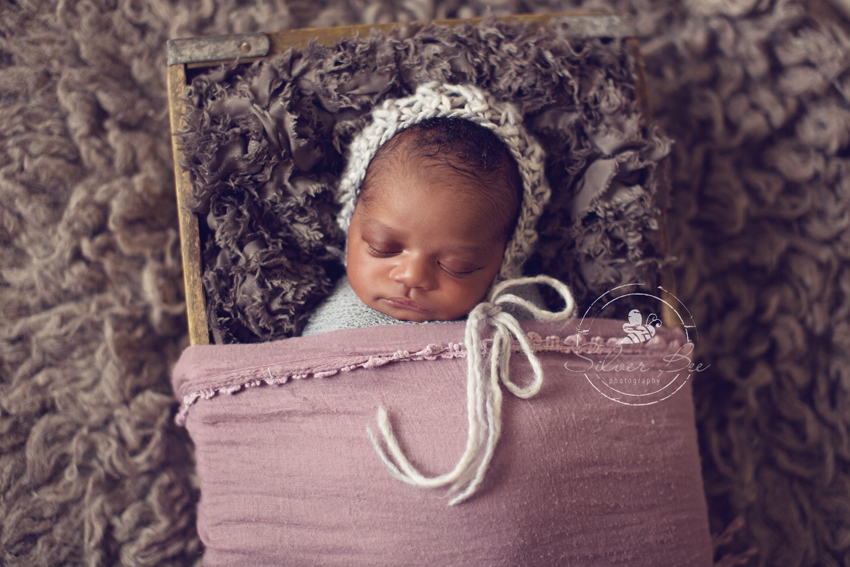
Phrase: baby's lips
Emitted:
{"points": [[404, 303]]}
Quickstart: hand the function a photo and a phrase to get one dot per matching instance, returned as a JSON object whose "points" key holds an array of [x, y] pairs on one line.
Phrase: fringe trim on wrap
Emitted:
{"points": [[232, 382]]}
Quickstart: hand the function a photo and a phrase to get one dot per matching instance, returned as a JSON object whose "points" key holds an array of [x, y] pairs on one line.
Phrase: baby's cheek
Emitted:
{"points": [[358, 279], [466, 297]]}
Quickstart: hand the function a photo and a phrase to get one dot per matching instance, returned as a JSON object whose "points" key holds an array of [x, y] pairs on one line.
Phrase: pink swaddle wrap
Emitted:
{"points": [[289, 476]]}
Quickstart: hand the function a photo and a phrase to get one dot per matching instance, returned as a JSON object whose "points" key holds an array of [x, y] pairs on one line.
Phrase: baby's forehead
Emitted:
{"points": [[398, 176], [472, 177]]}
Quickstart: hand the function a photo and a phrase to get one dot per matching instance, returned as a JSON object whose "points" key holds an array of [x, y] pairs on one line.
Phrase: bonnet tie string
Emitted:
{"points": [[484, 396]]}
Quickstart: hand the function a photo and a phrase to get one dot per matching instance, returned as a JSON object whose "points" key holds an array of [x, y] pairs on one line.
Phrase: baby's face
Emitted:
{"points": [[420, 249]]}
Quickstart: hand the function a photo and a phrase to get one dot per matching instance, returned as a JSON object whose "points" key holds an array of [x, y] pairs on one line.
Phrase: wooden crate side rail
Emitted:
{"points": [[190, 242], [217, 50]]}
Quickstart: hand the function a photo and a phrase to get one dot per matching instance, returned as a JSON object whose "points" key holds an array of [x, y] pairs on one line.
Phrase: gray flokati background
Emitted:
{"points": [[92, 471]]}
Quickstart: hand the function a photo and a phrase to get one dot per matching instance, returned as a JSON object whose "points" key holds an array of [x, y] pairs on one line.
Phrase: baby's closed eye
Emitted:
{"points": [[383, 248], [459, 269], [382, 251]]}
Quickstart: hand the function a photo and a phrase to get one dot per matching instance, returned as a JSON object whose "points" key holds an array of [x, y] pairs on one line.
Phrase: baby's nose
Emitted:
{"points": [[414, 272]]}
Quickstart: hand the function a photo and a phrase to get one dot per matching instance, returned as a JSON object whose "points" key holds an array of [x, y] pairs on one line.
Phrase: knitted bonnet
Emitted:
{"points": [[461, 101]]}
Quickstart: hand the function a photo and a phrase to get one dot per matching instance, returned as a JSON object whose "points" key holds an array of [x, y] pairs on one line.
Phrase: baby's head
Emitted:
{"points": [[437, 206], [461, 198]]}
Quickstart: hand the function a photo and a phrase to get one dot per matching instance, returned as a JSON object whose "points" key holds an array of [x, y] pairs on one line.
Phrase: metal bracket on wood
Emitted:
{"points": [[597, 25], [217, 48]]}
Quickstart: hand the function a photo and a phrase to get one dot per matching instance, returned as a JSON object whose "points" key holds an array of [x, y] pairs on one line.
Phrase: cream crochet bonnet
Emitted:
{"points": [[462, 101]]}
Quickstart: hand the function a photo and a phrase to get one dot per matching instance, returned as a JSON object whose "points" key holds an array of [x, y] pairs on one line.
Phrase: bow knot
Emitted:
{"points": [[484, 396], [489, 311]]}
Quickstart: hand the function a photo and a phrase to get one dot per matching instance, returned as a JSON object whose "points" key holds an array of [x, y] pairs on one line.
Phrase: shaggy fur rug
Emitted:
{"points": [[92, 469]]}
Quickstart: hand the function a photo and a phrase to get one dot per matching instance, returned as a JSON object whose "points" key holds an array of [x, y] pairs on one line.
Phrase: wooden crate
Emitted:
{"points": [[185, 55]]}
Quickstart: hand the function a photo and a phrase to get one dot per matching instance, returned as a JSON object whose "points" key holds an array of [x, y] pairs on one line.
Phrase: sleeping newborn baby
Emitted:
{"points": [[440, 198], [443, 207], [436, 208]]}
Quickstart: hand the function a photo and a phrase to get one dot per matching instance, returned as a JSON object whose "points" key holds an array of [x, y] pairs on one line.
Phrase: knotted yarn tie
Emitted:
{"points": [[484, 396]]}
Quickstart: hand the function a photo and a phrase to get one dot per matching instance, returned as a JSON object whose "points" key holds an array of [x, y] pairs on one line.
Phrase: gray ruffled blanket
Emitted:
{"points": [[265, 146]]}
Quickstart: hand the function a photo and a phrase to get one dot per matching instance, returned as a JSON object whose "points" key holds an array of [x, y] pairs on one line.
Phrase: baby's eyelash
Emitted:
{"points": [[384, 253], [457, 274], [391, 252]]}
